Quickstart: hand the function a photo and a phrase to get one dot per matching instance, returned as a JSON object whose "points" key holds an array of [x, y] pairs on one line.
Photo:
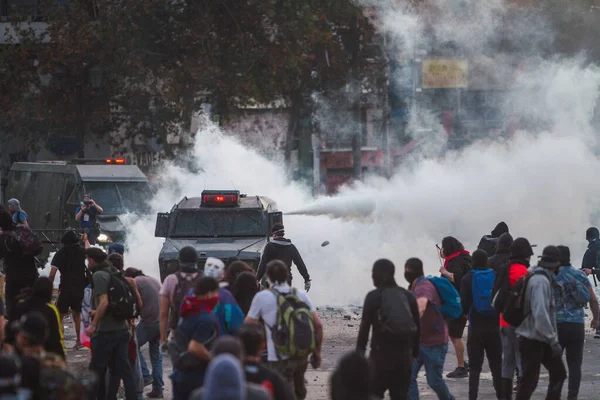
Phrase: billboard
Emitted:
{"points": [[445, 74]]}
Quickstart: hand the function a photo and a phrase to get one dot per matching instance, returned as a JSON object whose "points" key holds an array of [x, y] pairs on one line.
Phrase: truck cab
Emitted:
{"points": [[220, 223], [51, 191]]}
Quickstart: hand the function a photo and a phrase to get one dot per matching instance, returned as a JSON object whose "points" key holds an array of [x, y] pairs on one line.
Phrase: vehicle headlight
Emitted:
{"points": [[103, 238]]}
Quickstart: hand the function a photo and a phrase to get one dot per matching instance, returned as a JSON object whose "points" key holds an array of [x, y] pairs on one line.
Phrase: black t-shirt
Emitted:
{"points": [[70, 261], [30, 375], [272, 381], [18, 268]]}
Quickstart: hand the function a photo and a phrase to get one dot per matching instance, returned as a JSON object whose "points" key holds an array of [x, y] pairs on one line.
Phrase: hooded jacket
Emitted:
{"points": [[282, 249], [500, 259], [70, 262], [591, 256], [458, 264], [539, 306], [19, 269], [488, 242]]}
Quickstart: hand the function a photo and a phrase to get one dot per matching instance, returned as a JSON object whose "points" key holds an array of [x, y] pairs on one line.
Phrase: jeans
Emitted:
{"points": [[571, 337], [433, 358], [484, 341], [534, 354], [110, 348], [391, 370], [150, 333], [293, 371], [511, 359]]}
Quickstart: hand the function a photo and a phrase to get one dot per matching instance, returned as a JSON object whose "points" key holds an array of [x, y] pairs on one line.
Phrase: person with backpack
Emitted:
{"points": [[20, 269], [174, 289], [489, 243], [70, 262], [393, 314], [500, 259], [484, 325], [591, 259], [294, 329], [457, 263], [109, 330], [282, 249], [537, 333], [518, 263], [433, 341], [576, 293], [193, 338]]}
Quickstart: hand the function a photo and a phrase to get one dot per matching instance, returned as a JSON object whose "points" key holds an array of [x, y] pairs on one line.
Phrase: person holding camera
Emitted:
{"points": [[86, 216]]}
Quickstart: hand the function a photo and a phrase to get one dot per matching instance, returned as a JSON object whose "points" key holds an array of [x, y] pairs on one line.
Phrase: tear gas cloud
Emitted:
{"points": [[542, 183]]}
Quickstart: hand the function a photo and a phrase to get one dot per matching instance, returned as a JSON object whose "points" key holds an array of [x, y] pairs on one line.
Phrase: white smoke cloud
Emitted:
{"points": [[542, 183]]}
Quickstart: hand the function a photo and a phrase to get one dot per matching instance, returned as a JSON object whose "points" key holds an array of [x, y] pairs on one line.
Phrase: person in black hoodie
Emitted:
{"points": [[391, 358], [488, 242], [484, 324], [280, 248], [500, 259], [457, 263], [20, 270], [244, 289], [70, 262]]}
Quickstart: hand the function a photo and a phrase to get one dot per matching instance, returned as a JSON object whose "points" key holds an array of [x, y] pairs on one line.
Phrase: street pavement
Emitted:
{"points": [[341, 328]]}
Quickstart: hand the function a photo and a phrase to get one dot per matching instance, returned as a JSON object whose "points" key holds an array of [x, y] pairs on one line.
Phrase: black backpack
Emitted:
{"points": [[122, 303], [395, 315], [514, 309], [501, 289]]}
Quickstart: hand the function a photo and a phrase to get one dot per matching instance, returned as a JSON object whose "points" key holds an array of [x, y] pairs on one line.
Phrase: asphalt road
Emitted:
{"points": [[341, 327]]}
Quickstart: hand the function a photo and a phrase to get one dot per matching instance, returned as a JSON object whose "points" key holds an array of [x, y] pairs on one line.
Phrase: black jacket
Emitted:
{"points": [[70, 261], [590, 258], [488, 244], [499, 260], [370, 318], [18, 268], [459, 266], [282, 249], [476, 320]]}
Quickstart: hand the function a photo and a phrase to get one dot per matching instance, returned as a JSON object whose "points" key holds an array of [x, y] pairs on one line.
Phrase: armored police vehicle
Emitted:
{"points": [[51, 191], [222, 224]]}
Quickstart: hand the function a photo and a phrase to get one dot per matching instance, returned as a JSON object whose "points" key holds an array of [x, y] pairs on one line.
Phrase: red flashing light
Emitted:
{"points": [[220, 199], [119, 161]]}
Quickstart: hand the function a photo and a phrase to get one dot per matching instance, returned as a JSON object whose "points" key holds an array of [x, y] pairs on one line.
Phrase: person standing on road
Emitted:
{"points": [[350, 379], [174, 289], [265, 307], [457, 263], [591, 259], [280, 248], [148, 331], [433, 345], [109, 335], [489, 243], [244, 289], [19, 216], [86, 215], [484, 325], [20, 270], [570, 316], [500, 259], [393, 314], [70, 262], [538, 335], [518, 263]]}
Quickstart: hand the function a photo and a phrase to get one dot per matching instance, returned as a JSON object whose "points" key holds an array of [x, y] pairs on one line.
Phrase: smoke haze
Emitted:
{"points": [[542, 182]]}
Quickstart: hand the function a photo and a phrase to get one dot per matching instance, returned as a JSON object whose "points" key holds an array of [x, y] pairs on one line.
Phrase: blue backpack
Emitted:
{"points": [[482, 286], [451, 308]]}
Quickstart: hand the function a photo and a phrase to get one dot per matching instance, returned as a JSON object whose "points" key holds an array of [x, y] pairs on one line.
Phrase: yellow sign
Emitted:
{"points": [[443, 74]]}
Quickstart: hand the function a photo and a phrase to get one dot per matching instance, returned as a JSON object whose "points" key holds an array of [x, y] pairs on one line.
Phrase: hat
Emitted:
{"points": [[15, 203], [188, 257], [225, 379], [116, 248], [592, 234], [521, 248], [550, 257], [278, 229], [500, 229], [215, 268], [34, 326]]}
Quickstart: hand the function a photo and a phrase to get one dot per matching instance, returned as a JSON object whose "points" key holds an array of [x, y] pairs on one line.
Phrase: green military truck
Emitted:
{"points": [[51, 191], [220, 223]]}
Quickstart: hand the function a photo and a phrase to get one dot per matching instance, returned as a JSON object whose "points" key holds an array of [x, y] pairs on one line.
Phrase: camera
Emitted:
{"points": [[88, 202]]}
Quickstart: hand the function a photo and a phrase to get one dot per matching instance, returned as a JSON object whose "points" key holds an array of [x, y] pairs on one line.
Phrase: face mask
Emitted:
{"points": [[210, 303], [411, 276]]}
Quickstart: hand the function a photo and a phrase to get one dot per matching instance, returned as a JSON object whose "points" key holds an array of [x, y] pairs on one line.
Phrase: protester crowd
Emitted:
{"points": [[229, 336]]}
